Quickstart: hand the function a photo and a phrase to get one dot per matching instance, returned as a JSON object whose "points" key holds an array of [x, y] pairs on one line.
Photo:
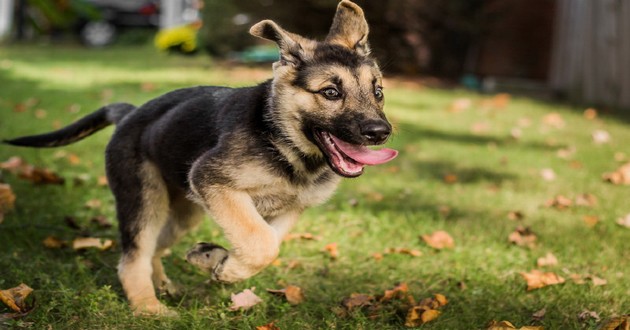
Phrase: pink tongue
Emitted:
{"points": [[365, 155]]}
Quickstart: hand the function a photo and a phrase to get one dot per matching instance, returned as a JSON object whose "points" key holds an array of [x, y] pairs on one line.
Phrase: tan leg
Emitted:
{"points": [[255, 243], [136, 267]]}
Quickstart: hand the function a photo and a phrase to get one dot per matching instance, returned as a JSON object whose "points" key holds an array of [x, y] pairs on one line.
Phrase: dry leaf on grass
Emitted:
{"points": [[83, 243], [554, 120], [616, 323], [270, 326], [411, 252], [559, 202], [600, 136], [101, 221], [621, 176], [244, 300], [523, 236], [548, 174], [507, 325], [539, 315], [18, 166], [332, 250], [93, 204], [301, 236], [590, 220], [357, 300], [450, 178], [624, 221], [7, 200], [585, 315], [460, 105], [516, 215], [419, 315], [52, 242], [101, 181], [439, 240], [588, 200], [590, 113], [15, 298], [537, 279], [548, 260], [292, 293], [425, 311], [399, 291]]}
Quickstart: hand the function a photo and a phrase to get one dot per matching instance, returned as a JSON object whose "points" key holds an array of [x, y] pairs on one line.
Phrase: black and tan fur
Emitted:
{"points": [[250, 157]]}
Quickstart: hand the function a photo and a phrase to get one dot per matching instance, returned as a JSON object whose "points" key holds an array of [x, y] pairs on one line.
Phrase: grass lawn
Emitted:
{"points": [[466, 161]]}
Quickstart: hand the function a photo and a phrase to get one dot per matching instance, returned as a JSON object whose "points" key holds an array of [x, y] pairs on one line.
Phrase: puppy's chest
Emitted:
{"points": [[275, 200]]}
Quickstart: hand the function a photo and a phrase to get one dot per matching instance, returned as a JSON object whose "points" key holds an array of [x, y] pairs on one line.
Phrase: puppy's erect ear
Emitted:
{"points": [[349, 28], [292, 46]]}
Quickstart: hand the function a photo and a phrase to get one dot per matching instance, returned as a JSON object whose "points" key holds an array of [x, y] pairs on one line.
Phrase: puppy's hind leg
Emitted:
{"points": [[184, 215], [142, 205]]}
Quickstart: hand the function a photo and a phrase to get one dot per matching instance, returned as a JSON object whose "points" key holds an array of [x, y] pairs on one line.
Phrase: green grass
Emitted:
{"points": [[389, 206]]}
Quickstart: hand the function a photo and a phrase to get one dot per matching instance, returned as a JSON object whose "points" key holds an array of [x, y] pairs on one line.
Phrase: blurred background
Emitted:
{"points": [[570, 49]]}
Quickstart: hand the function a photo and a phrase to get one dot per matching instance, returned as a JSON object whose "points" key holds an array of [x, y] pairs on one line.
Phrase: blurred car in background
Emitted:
{"points": [[116, 15]]}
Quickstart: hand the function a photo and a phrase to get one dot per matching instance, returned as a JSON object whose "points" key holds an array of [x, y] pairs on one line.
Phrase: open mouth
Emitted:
{"points": [[348, 159]]}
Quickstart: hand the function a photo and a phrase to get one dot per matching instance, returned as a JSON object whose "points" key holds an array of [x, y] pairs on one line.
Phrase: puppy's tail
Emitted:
{"points": [[84, 127]]}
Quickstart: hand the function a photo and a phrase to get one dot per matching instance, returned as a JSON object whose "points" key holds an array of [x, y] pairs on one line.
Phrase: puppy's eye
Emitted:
{"points": [[378, 93], [331, 93]]}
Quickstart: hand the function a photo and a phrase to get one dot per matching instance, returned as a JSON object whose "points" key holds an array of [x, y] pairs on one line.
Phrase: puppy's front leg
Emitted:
{"points": [[255, 244]]}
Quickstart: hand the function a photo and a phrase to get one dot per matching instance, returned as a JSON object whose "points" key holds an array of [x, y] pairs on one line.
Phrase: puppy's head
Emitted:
{"points": [[327, 96]]}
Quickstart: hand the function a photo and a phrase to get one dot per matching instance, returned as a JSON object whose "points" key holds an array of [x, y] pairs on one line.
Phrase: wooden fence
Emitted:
{"points": [[591, 51]]}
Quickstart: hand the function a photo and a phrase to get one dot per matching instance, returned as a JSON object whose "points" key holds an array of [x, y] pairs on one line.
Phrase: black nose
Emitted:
{"points": [[376, 131]]}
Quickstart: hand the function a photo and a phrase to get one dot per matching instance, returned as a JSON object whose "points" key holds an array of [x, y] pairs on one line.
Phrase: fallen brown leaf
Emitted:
{"points": [[413, 253], [270, 326], [93, 204], [292, 293], [536, 279], [588, 200], [600, 136], [616, 323], [101, 221], [621, 176], [450, 178], [7, 200], [332, 250], [523, 236], [548, 174], [585, 315], [460, 105], [419, 315], [83, 243], [539, 315], [590, 220], [52, 242], [397, 292], [507, 325], [102, 181], [244, 300], [73, 159], [377, 256], [15, 298], [439, 240], [357, 300], [302, 236], [559, 202], [590, 113], [548, 260], [597, 281], [516, 215], [554, 120], [41, 113]]}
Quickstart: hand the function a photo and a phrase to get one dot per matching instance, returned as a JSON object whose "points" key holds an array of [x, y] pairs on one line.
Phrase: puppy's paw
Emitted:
{"points": [[153, 309], [208, 257]]}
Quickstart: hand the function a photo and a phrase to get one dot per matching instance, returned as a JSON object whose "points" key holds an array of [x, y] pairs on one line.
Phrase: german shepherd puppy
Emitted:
{"points": [[253, 158]]}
